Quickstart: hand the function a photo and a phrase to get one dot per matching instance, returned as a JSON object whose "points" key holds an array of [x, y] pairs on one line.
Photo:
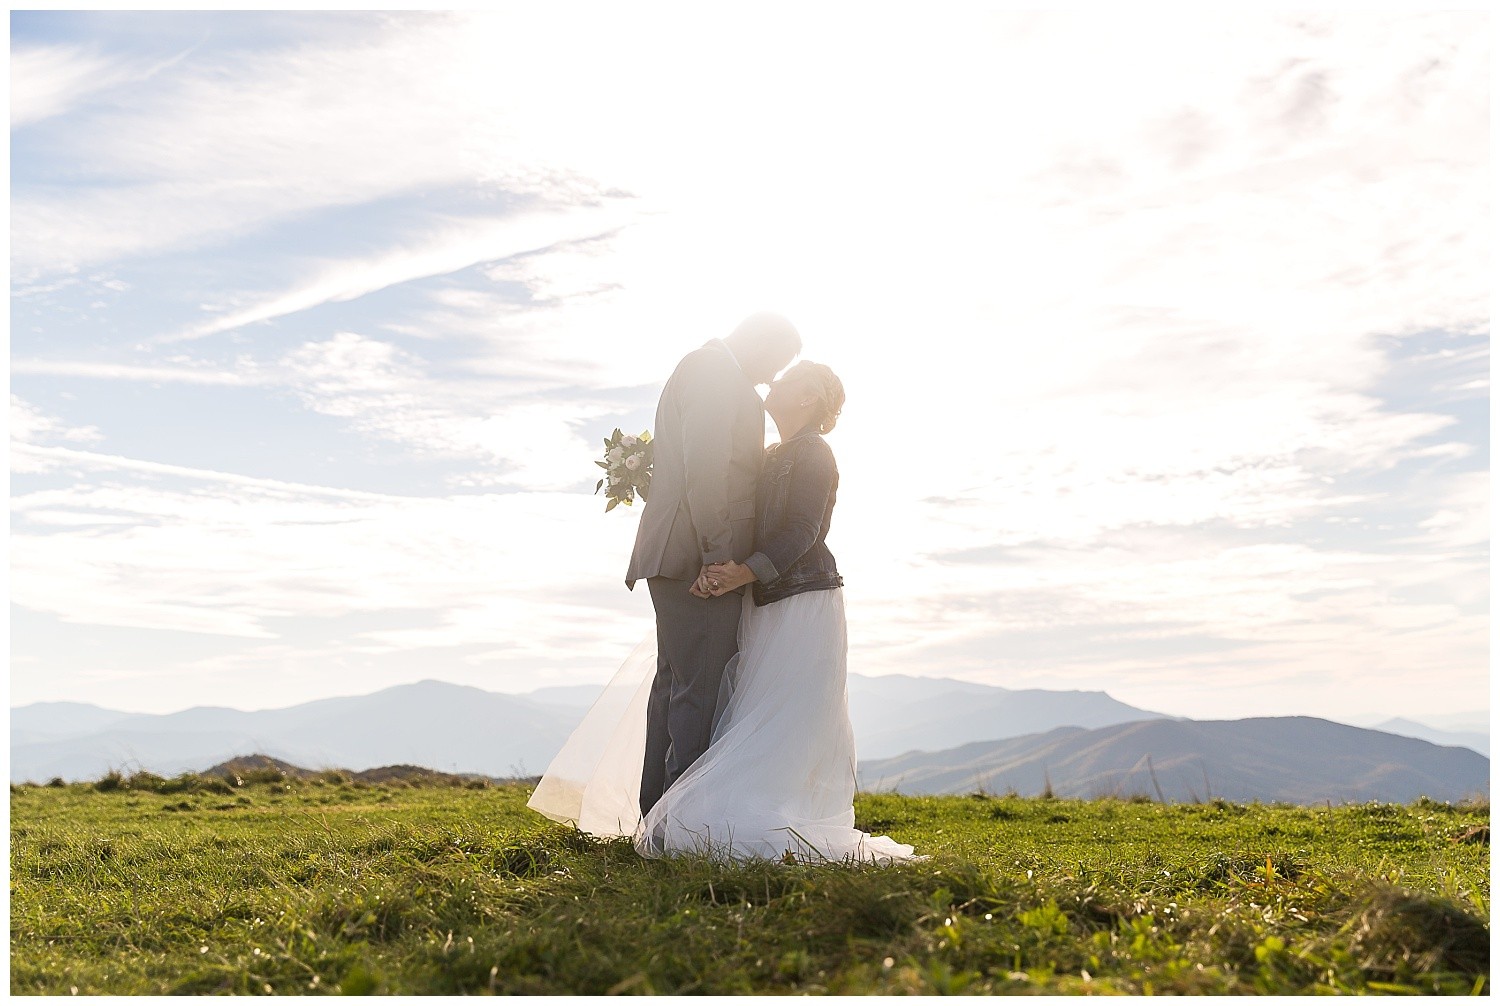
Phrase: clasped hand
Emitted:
{"points": [[720, 578]]}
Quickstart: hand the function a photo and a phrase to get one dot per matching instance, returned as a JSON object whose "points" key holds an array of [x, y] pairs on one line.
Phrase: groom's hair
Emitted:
{"points": [[769, 331]]}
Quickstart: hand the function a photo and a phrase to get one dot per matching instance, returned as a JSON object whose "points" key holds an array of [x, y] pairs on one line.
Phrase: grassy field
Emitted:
{"points": [[323, 886]]}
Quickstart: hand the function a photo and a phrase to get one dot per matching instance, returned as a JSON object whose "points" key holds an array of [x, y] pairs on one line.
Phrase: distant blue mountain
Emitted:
{"points": [[919, 731], [897, 713], [1472, 739], [44, 720], [1292, 759], [453, 728]]}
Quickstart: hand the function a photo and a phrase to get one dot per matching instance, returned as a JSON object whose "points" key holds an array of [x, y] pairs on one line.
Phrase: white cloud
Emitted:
{"points": [[28, 424], [1188, 623], [50, 80], [384, 391], [87, 461], [456, 246], [1123, 291], [237, 557], [184, 372], [238, 142], [527, 576], [1462, 517]]}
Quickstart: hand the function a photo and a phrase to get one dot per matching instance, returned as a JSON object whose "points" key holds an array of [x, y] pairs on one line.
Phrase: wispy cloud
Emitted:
{"points": [[51, 80], [398, 108], [29, 424], [1165, 338], [384, 391], [1461, 517], [90, 460], [458, 245], [247, 558], [252, 374]]}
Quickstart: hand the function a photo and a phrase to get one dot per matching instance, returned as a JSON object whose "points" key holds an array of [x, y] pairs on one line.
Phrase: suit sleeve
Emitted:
{"points": [[812, 477], [707, 422]]}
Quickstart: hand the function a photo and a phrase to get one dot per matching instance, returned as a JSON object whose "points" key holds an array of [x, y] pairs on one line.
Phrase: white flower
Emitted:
{"points": [[633, 462], [615, 456], [629, 441]]}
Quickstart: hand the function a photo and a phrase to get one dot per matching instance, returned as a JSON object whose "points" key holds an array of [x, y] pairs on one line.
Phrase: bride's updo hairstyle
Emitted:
{"points": [[821, 381]]}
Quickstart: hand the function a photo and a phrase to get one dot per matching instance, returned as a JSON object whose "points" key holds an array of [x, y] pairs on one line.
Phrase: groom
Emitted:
{"points": [[708, 440]]}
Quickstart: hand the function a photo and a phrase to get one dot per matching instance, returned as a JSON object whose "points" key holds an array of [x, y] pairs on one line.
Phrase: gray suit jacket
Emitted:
{"points": [[708, 441]]}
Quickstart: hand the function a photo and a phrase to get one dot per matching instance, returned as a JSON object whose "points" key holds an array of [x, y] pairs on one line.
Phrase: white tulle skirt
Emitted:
{"points": [[778, 777]]}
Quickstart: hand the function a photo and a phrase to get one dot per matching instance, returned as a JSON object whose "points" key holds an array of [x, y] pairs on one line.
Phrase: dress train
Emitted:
{"points": [[777, 780]]}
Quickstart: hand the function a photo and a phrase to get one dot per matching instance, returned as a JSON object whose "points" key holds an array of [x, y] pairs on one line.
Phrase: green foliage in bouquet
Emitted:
{"points": [[627, 468]]}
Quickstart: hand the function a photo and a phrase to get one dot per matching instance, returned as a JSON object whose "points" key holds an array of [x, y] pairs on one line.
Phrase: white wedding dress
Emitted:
{"points": [[778, 777]]}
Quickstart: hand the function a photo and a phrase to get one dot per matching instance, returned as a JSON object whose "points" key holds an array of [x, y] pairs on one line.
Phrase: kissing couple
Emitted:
{"points": [[726, 732]]}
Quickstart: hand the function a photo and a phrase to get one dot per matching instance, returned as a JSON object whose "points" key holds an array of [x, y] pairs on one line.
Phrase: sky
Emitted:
{"points": [[1165, 338]]}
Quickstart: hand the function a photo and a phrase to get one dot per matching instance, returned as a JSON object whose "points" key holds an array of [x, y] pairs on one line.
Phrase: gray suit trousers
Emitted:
{"points": [[695, 639]]}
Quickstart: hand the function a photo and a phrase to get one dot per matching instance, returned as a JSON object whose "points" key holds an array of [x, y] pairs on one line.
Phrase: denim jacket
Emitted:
{"points": [[793, 503]]}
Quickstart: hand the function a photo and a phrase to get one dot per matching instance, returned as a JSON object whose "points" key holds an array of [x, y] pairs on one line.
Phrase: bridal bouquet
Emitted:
{"points": [[627, 468]]}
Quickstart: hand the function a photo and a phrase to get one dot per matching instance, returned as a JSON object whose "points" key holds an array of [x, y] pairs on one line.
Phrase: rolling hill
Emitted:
{"points": [[919, 735], [1293, 759], [458, 728], [452, 728], [896, 713]]}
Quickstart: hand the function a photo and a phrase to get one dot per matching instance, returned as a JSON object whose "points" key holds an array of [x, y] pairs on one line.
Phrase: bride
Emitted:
{"points": [[777, 780]]}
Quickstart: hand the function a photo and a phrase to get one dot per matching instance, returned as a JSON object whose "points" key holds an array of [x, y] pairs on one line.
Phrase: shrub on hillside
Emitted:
{"points": [[184, 783]]}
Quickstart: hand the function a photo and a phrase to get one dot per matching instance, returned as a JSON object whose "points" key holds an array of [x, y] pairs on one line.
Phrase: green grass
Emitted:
{"points": [[144, 885]]}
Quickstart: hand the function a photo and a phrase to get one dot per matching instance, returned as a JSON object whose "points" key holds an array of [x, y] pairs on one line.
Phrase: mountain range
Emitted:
{"points": [[459, 728], [1291, 759], [454, 728], [921, 734], [1476, 740]]}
